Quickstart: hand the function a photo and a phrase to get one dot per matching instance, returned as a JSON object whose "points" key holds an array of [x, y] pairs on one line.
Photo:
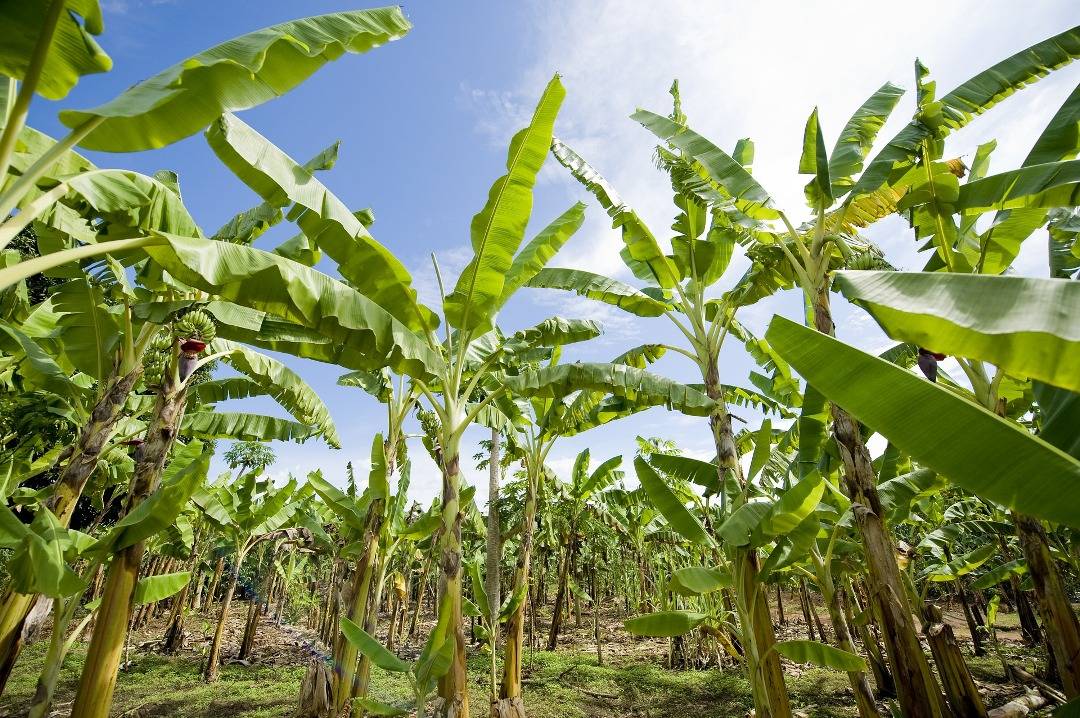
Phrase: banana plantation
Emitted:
{"points": [[871, 530]]}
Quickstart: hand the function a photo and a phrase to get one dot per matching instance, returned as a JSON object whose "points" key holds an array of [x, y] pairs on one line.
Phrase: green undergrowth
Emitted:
{"points": [[557, 685]]}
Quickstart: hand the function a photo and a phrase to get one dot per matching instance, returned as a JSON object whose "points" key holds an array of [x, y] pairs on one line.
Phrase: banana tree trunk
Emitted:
{"points": [[251, 622], [173, 639], [917, 690], [382, 562], [860, 686], [345, 683], [421, 590], [98, 680], [969, 616], [960, 689], [804, 603], [883, 679], [93, 438], [560, 592], [758, 637], [213, 657], [454, 684], [251, 625], [211, 592], [596, 616], [59, 644], [510, 703], [492, 562], [1059, 619]]}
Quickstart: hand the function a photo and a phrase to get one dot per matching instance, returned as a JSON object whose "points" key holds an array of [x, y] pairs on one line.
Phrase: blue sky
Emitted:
{"points": [[424, 124]]}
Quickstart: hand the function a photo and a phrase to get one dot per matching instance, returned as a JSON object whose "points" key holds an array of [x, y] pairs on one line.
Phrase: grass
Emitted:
{"points": [[157, 685], [565, 684], [558, 685]]}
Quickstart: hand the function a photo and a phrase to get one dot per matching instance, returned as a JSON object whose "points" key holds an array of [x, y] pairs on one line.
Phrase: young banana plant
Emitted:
{"points": [[250, 513], [372, 527], [434, 661]]}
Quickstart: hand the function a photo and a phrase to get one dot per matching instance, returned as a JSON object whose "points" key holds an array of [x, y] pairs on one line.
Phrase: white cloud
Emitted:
{"points": [[758, 70]]}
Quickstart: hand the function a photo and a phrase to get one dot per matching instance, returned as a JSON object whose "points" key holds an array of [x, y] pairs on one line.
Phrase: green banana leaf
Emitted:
{"points": [[721, 167], [698, 580], [670, 505], [498, 229], [151, 589], [240, 73], [86, 329], [370, 647], [1059, 411], [262, 330], [283, 384], [37, 564], [642, 387], [538, 252], [557, 332], [247, 226], [479, 592], [377, 708], [641, 252], [326, 221], [260, 280], [987, 455], [599, 288], [1060, 140], [241, 426], [858, 135], [970, 99], [128, 199], [1054, 184], [998, 574], [820, 655], [233, 387], [347, 508], [185, 473], [815, 161], [1024, 325], [664, 624], [794, 506], [72, 53]]}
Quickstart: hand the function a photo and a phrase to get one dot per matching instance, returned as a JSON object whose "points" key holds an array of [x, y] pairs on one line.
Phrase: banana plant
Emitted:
{"points": [[804, 257], [708, 227], [149, 589], [583, 485], [43, 549], [786, 524], [249, 512], [386, 517], [962, 269], [468, 359], [434, 661], [51, 180], [142, 365], [372, 527], [156, 112]]}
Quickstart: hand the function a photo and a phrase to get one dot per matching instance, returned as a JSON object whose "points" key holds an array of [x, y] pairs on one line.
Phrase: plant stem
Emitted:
{"points": [[23, 270]]}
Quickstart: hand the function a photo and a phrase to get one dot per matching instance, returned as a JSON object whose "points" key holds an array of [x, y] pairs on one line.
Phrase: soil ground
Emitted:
{"points": [[633, 681]]}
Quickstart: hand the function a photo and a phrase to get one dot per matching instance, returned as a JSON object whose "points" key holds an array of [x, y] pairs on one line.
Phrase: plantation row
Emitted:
{"points": [[117, 309]]}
